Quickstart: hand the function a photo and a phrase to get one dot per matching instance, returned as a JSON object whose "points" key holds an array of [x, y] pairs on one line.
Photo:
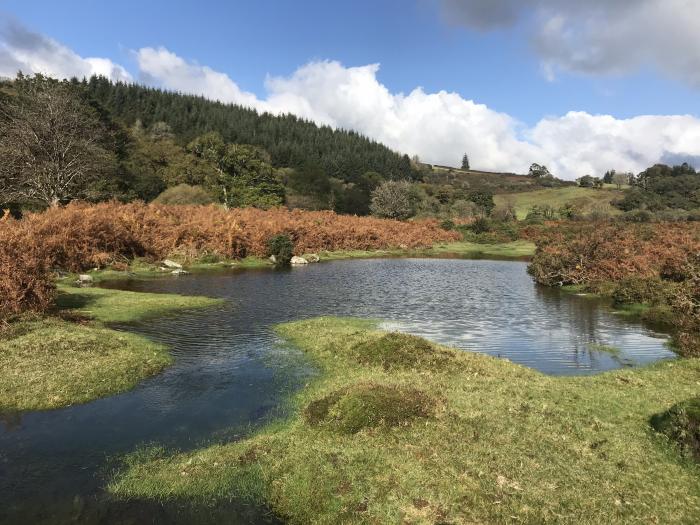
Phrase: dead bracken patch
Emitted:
{"points": [[396, 350], [369, 405], [681, 424]]}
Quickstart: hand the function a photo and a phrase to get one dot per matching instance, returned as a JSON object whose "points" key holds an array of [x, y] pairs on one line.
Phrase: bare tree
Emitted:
{"points": [[51, 142]]}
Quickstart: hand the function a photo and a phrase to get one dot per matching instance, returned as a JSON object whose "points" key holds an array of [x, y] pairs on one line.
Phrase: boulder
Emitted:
{"points": [[296, 260], [171, 264], [179, 271], [273, 259], [312, 258], [84, 279]]}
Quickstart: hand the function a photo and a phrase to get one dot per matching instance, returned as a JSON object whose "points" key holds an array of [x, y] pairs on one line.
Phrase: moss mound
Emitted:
{"points": [[681, 423], [396, 350], [369, 406]]}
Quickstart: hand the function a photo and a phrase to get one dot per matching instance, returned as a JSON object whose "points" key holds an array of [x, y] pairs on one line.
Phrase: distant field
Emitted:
{"points": [[585, 198]]}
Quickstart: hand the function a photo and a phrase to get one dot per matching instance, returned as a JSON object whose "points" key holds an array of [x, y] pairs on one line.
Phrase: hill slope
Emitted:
{"points": [[586, 199], [289, 140]]}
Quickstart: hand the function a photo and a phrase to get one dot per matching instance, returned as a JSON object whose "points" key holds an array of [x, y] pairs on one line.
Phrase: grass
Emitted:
{"points": [[51, 363], [459, 438], [508, 250], [585, 198]]}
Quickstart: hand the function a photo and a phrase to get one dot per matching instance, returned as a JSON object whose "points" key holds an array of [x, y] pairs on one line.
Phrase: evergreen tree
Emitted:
{"points": [[465, 162]]}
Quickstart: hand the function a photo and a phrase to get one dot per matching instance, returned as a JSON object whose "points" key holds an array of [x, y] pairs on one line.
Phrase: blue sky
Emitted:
{"points": [[517, 62]]}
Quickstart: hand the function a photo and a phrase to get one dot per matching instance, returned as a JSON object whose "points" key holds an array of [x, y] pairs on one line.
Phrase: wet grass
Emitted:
{"points": [[479, 440], [73, 357]]}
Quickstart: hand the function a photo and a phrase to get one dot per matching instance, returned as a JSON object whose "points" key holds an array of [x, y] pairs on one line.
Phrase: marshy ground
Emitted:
{"points": [[396, 429]]}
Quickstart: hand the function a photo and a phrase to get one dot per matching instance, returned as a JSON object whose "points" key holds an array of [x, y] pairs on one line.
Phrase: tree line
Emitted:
{"points": [[97, 140]]}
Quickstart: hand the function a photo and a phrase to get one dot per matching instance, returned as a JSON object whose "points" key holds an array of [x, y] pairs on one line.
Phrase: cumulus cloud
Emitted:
{"points": [[29, 52], [164, 68], [597, 36], [439, 127]]}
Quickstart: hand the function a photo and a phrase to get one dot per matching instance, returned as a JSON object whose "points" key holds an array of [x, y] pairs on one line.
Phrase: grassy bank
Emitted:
{"points": [[398, 430], [507, 250], [51, 362], [586, 199]]}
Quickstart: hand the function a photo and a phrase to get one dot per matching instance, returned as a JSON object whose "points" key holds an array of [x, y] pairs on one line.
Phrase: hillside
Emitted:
{"points": [[586, 199], [289, 140], [494, 182]]}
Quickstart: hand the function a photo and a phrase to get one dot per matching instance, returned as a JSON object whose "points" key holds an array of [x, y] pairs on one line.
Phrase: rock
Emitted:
{"points": [[179, 271], [298, 260], [84, 279], [312, 258], [171, 264], [273, 259]]}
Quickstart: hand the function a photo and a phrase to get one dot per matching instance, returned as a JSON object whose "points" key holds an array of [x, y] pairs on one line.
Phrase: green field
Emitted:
{"points": [[587, 199], [398, 430]]}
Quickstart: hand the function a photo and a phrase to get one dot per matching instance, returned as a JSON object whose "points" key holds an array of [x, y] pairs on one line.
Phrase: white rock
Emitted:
{"points": [[179, 271], [298, 260], [171, 264], [85, 278], [273, 259]]}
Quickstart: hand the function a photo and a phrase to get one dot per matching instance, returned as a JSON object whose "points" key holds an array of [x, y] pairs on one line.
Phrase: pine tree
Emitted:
{"points": [[465, 162]]}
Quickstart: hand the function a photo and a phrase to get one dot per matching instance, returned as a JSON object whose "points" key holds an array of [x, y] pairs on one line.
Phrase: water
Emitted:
{"points": [[231, 372]]}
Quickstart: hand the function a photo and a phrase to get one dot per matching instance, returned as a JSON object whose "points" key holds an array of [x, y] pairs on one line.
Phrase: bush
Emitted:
{"points": [[184, 194], [281, 248], [480, 225], [447, 225], [639, 290], [394, 200], [26, 283]]}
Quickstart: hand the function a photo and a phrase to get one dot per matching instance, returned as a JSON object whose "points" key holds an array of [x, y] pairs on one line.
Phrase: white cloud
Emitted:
{"points": [[439, 127], [598, 36], [164, 68], [29, 52]]}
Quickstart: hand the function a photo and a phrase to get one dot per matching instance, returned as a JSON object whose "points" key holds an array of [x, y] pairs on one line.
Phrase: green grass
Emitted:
{"points": [[507, 250], [50, 363], [585, 198], [58, 363], [118, 306], [453, 438]]}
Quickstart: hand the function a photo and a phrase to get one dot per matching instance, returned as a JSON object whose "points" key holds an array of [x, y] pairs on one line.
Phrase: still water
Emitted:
{"points": [[231, 372]]}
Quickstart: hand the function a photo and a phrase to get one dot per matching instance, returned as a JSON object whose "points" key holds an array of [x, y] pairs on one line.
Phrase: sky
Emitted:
{"points": [[582, 87]]}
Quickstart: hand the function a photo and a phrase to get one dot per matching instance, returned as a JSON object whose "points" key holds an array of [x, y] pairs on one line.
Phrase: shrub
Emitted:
{"points": [[480, 225], [394, 200], [447, 225], [281, 248], [369, 405], [184, 194], [640, 290], [26, 283]]}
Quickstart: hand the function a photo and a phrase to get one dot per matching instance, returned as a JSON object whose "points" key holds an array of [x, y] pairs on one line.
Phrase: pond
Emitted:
{"points": [[231, 372]]}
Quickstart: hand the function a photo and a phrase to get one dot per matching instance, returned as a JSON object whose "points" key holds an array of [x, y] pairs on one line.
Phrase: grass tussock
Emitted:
{"points": [[369, 405], [681, 424], [396, 350], [498, 443]]}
